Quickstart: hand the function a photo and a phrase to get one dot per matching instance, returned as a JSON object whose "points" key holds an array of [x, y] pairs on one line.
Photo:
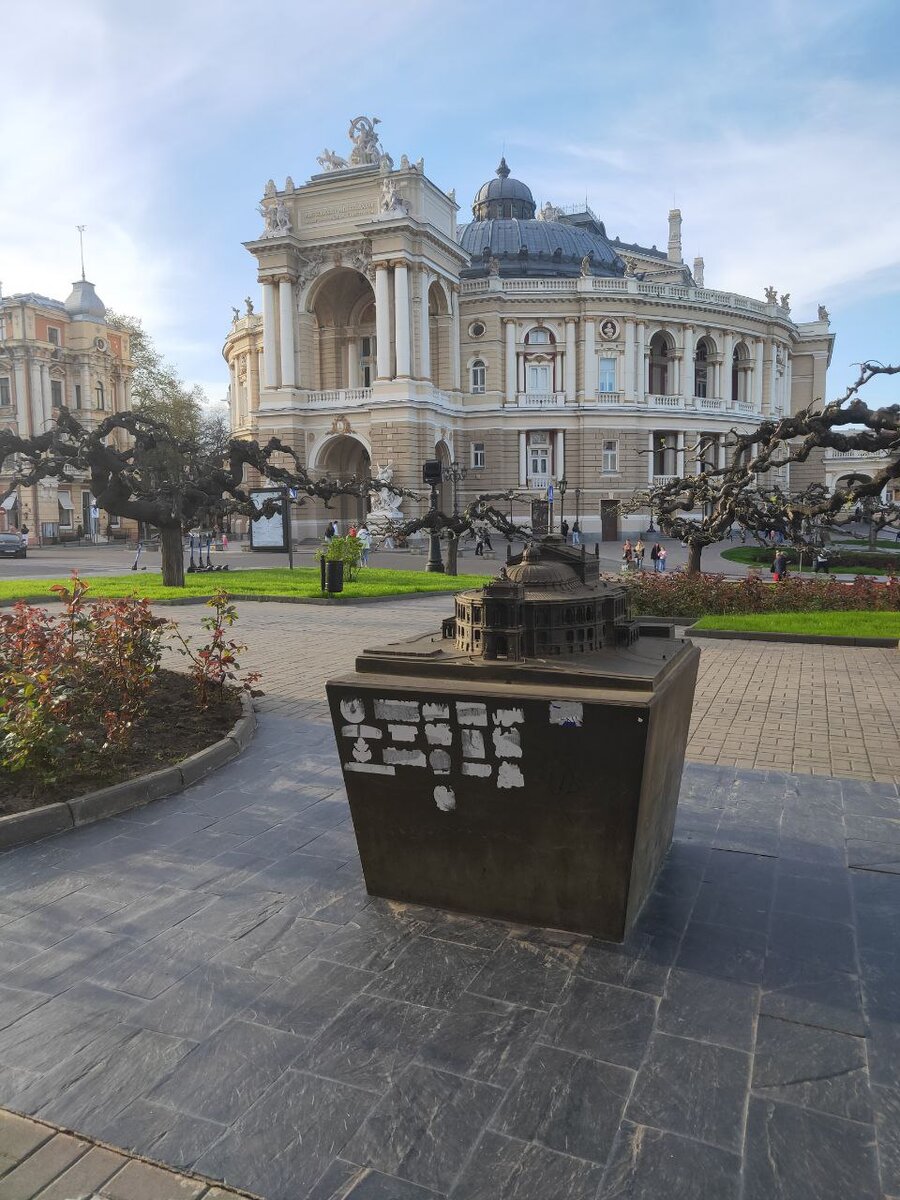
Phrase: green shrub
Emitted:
{"points": [[347, 550], [682, 595]]}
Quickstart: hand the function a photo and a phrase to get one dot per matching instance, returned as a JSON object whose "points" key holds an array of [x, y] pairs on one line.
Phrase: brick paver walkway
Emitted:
{"points": [[40, 1162], [811, 710]]}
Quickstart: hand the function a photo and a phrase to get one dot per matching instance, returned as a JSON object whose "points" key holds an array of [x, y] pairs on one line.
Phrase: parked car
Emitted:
{"points": [[11, 546]]}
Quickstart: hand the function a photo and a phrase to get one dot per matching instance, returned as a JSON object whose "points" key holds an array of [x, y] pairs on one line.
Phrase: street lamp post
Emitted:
{"points": [[455, 473], [432, 475], [578, 511], [563, 486]]}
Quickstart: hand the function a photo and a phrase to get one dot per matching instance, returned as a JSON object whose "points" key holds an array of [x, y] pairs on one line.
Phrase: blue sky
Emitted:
{"points": [[774, 127]]}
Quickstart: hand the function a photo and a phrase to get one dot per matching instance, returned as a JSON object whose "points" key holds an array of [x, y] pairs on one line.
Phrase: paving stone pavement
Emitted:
{"points": [[206, 982], [811, 710]]}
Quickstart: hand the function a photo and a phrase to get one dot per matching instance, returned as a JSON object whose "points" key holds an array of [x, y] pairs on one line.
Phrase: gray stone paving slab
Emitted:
{"points": [[304, 1040]]}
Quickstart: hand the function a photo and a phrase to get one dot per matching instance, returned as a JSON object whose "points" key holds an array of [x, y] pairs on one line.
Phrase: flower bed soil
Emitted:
{"points": [[174, 729]]}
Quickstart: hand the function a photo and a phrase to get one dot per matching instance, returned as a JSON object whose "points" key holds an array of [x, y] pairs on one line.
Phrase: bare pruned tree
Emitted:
{"points": [[749, 489], [139, 469]]}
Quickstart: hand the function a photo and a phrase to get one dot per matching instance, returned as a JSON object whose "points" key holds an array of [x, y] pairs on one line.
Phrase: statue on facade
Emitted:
{"points": [[362, 134], [267, 212], [311, 267], [493, 266], [385, 512], [823, 313], [248, 304], [282, 217], [786, 302], [420, 165], [270, 188], [289, 185], [586, 266], [404, 162], [391, 200], [236, 315], [451, 195], [771, 295], [549, 212], [329, 161], [630, 267]]}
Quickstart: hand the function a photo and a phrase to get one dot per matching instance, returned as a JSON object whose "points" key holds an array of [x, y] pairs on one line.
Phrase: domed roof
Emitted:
{"points": [[531, 247], [536, 572], [504, 197], [84, 304]]}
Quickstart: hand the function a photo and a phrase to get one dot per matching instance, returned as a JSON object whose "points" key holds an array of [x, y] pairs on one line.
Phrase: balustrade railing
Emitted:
{"points": [[541, 399], [666, 401], [661, 479], [541, 482], [341, 396]]}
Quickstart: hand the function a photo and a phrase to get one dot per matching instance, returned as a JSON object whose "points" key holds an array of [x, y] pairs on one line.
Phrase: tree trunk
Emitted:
{"points": [[873, 534], [695, 549], [171, 552]]}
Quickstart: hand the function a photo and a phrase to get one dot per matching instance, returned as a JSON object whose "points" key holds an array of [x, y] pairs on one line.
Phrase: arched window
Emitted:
{"points": [[701, 368], [739, 359], [539, 337], [660, 358], [479, 376]]}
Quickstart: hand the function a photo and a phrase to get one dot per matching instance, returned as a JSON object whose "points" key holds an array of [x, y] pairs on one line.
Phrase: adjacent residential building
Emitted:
{"points": [[54, 353], [528, 345]]}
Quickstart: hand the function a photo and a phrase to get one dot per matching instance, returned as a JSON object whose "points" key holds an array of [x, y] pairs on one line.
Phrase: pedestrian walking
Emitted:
{"points": [[576, 534], [654, 555], [779, 566], [564, 530], [486, 534], [639, 551], [364, 537], [661, 558], [479, 543], [821, 563], [627, 551]]}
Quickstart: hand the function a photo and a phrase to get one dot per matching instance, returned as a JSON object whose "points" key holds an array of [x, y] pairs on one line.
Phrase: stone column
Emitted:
{"points": [[570, 376], [454, 338], [401, 319], [758, 377], [86, 397], [722, 451], [674, 384], [773, 379], [46, 405], [382, 321], [725, 381], [630, 389], [523, 458], [126, 393], [424, 328], [589, 359], [559, 453], [679, 453], [260, 370], [510, 360], [687, 374], [651, 457], [37, 407], [270, 347], [641, 377], [285, 307]]}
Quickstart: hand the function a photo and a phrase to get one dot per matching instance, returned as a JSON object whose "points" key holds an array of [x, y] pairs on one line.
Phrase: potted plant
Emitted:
{"points": [[336, 556]]}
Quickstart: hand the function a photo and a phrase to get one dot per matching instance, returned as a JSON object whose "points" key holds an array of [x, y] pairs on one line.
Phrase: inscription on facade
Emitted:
{"points": [[338, 212]]}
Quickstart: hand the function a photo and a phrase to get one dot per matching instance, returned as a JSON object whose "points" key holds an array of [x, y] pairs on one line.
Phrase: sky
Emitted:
{"points": [[773, 126]]}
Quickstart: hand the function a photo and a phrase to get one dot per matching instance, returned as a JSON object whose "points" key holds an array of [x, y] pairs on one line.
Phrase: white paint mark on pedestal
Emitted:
{"points": [[370, 768], [509, 716], [566, 712], [482, 770], [353, 710], [439, 761], [472, 743], [509, 776], [397, 710], [438, 735], [445, 799], [507, 743], [404, 758], [402, 733], [436, 712], [471, 714]]}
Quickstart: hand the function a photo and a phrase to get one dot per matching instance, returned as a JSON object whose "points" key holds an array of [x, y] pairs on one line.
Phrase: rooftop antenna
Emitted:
{"points": [[81, 229]]}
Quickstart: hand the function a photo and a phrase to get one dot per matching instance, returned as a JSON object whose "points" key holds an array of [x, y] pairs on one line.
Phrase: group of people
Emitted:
{"points": [[633, 554], [576, 531], [361, 532]]}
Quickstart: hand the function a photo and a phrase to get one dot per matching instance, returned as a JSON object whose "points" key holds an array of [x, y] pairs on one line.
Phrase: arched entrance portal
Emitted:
{"points": [[344, 457], [342, 307]]}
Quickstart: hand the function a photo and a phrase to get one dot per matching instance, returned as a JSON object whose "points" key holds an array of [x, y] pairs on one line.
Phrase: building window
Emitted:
{"points": [[660, 357], [610, 458], [476, 329], [366, 360], [56, 393], [607, 374], [538, 379], [478, 378], [66, 510], [5, 393], [538, 337], [539, 458], [101, 399], [477, 454], [701, 369], [52, 335], [78, 395]]}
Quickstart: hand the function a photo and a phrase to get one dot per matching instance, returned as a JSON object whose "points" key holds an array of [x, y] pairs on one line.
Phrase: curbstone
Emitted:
{"points": [[241, 733], [811, 639], [207, 760], [120, 797], [30, 826]]}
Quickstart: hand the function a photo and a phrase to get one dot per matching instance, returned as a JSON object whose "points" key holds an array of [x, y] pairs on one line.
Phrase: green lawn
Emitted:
{"points": [[824, 624], [747, 555], [275, 581]]}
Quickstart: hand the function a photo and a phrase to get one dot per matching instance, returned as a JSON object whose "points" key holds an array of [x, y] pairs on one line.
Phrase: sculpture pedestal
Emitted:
{"points": [[542, 791]]}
